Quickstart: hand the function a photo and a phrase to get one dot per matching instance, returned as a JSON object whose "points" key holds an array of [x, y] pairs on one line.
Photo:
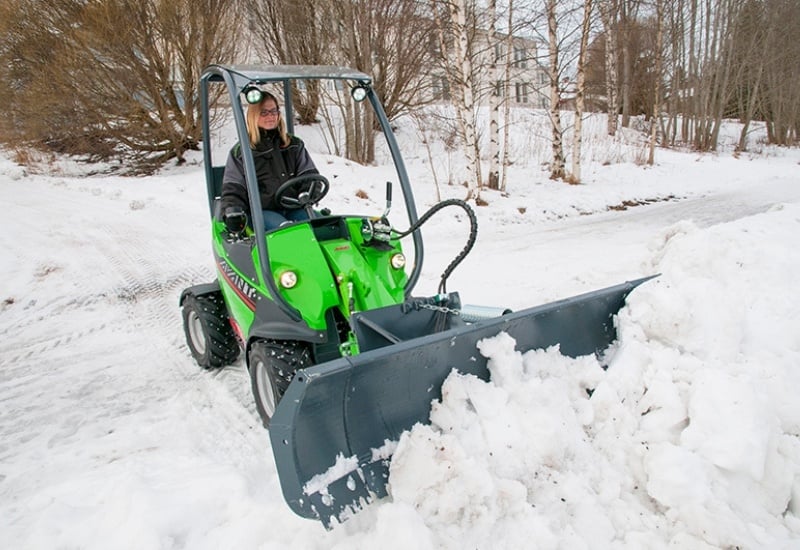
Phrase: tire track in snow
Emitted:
{"points": [[95, 376], [134, 359], [31, 349]]}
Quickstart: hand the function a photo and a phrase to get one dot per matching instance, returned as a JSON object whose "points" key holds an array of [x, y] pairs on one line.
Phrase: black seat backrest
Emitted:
{"points": [[217, 172], [216, 183]]}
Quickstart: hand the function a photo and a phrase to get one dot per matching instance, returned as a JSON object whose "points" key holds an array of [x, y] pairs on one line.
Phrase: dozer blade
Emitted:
{"points": [[330, 430]]}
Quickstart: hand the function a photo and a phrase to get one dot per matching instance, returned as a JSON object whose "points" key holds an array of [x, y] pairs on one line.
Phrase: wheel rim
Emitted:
{"points": [[266, 394], [196, 333]]}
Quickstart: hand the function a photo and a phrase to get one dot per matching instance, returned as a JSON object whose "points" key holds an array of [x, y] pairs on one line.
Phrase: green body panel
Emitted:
{"points": [[394, 281], [295, 248], [365, 273], [329, 274], [241, 312]]}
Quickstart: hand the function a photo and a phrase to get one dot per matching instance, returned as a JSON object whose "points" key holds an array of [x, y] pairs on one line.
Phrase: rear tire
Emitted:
{"points": [[272, 365], [208, 331]]}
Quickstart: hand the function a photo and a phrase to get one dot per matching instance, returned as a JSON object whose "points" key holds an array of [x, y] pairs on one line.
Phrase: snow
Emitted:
{"points": [[113, 438], [342, 467]]}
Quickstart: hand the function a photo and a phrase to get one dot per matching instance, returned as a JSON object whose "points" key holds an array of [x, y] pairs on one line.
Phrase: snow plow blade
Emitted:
{"points": [[330, 431]]}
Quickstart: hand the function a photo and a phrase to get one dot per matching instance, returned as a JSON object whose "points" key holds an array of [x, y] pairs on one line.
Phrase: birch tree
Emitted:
{"points": [[451, 20], [501, 50], [608, 15], [557, 168], [577, 135], [495, 97], [657, 93], [674, 23], [509, 44]]}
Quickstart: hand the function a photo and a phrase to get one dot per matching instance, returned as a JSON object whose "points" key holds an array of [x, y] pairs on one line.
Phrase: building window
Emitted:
{"points": [[434, 47], [440, 88], [498, 89], [520, 57], [521, 89], [498, 52]]}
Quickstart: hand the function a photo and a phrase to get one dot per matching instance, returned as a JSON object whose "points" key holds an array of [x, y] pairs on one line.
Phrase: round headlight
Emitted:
{"points": [[398, 261], [253, 95], [288, 279], [358, 93]]}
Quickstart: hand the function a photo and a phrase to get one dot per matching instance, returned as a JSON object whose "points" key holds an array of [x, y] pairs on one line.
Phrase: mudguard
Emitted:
{"points": [[332, 431]]}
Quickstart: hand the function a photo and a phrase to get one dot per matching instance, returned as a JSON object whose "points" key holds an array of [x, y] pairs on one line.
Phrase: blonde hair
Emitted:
{"points": [[254, 112]]}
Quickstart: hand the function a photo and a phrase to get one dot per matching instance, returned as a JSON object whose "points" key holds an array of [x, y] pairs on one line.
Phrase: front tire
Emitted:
{"points": [[272, 365], [208, 331]]}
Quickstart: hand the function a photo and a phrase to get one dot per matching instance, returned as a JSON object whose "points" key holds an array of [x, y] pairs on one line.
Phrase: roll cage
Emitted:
{"points": [[236, 78]]}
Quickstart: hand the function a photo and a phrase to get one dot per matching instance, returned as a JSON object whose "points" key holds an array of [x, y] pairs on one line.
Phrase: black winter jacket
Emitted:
{"points": [[274, 165]]}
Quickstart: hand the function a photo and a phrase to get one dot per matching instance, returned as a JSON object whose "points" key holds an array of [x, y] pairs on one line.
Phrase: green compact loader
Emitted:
{"points": [[343, 358]]}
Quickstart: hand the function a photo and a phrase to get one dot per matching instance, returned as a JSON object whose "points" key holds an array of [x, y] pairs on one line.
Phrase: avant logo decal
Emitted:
{"points": [[244, 289]]}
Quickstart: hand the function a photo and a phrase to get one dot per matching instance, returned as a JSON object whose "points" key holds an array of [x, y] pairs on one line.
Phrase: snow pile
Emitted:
{"points": [[688, 439]]}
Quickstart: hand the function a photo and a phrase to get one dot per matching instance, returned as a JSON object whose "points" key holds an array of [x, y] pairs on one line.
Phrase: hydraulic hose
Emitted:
{"points": [[473, 234]]}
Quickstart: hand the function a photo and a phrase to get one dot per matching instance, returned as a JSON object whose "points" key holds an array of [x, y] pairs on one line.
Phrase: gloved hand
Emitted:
{"points": [[235, 219]]}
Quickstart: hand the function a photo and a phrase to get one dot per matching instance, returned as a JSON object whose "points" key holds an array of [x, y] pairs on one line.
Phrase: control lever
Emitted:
{"points": [[388, 198]]}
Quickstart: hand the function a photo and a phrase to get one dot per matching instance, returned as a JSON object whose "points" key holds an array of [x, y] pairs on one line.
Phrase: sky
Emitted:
{"points": [[112, 437]]}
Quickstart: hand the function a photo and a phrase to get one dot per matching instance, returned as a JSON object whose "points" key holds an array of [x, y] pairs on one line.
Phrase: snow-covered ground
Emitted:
{"points": [[113, 438]]}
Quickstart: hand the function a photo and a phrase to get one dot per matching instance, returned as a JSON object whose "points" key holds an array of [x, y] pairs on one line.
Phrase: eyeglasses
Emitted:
{"points": [[270, 112]]}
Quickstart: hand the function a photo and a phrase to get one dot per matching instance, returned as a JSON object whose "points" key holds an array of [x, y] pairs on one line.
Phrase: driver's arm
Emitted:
{"points": [[234, 191], [233, 196], [304, 164]]}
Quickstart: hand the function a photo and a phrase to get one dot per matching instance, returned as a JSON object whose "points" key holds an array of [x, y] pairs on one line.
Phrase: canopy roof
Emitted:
{"points": [[244, 74]]}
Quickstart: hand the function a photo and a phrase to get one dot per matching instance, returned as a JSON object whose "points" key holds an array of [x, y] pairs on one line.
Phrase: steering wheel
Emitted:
{"points": [[302, 191]]}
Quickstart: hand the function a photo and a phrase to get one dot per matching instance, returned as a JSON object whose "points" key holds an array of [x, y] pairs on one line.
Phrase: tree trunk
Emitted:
{"points": [[626, 64], [678, 71], [657, 92], [690, 82], [460, 78], [577, 136], [506, 98], [557, 170], [495, 92], [608, 15], [750, 110]]}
